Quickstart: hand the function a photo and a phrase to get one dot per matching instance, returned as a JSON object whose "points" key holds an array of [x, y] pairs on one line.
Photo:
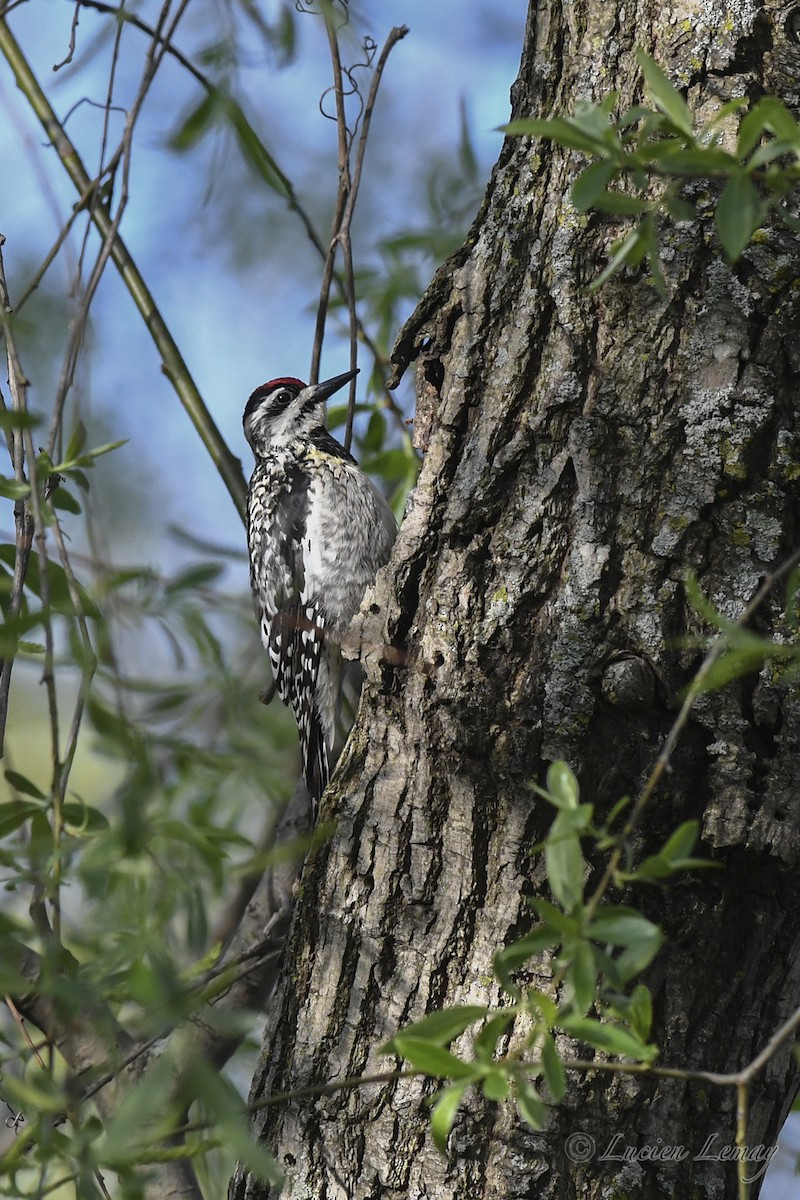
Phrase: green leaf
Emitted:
{"points": [[581, 973], [14, 813], [631, 250], [444, 1113], [194, 577], [530, 1105], [608, 1036], [678, 209], [391, 465], [553, 917], [77, 441], [565, 868], [620, 926], [337, 413], [485, 1042], [591, 182], [254, 150], [82, 819], [562, 785], [14, 418], [553, 1069], [14, 489], [702, 161], [513, 956], [640, 1012], [439, 1028], [196, 124], [432, 1059], [638, 955], [621, 205], [59, 588], [667, 97], [375, 436], [37, 1095], [65, 501], [540, 1005], [739, 213], [775, 148], [561, 130], [21, 783], [494, 1084], [680, 844], [87, 459], [650, 235], [769, 115]]}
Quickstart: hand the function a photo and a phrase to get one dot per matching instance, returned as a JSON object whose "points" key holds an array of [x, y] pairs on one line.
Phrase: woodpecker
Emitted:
{"points": [[318, 530]]}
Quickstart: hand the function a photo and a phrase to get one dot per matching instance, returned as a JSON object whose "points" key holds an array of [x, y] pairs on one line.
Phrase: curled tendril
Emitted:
{"points": [[309, 6], [15, 1120], [369, 48]]}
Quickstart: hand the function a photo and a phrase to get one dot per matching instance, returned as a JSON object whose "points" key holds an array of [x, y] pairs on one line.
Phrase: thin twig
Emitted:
{"points": [[23, 519], [341, 196], [396, 35]]}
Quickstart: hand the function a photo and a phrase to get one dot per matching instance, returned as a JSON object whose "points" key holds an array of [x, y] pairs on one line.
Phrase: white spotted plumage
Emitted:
{"points": [[318, 531]]}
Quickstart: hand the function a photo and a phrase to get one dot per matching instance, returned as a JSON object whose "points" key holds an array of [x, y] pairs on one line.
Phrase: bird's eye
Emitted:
{"points": [[280, 399]]}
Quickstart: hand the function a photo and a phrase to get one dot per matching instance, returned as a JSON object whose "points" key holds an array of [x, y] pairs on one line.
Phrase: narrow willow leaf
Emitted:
{"points": [[621, 926], [630, 251], [608, 1036], [196, 124], [14, 418], [485, 1042], [591, 182], [494, 1084], [254, 150], [666, 96], [15, 813], [553, 916], [511, 957], [77, 441], [563, 131], [562, 785], [432, 1059], [565, 867], [678, 209], [679, 845], [439, 1028], [21, 783], [553, 1069], [581, 973], [739, 213], [14, 489], [530, 1105], [82, 819], [638, 955], [640, 1012], [65, 501], [708, 160], [444, 1114]]}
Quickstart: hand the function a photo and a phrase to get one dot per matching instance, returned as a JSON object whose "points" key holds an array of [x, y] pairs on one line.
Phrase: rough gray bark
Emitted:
{"points": [[582, 452]]}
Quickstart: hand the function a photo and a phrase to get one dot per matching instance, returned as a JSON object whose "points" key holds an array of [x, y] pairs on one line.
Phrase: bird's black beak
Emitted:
{"points": [[317, 392]]}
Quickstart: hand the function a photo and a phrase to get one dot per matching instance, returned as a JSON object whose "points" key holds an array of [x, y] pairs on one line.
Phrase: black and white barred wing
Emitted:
{"points": [[286, 593]]}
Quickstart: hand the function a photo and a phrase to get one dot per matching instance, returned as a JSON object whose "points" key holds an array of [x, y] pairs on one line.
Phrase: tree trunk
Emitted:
{"points": [[582, 454]]}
